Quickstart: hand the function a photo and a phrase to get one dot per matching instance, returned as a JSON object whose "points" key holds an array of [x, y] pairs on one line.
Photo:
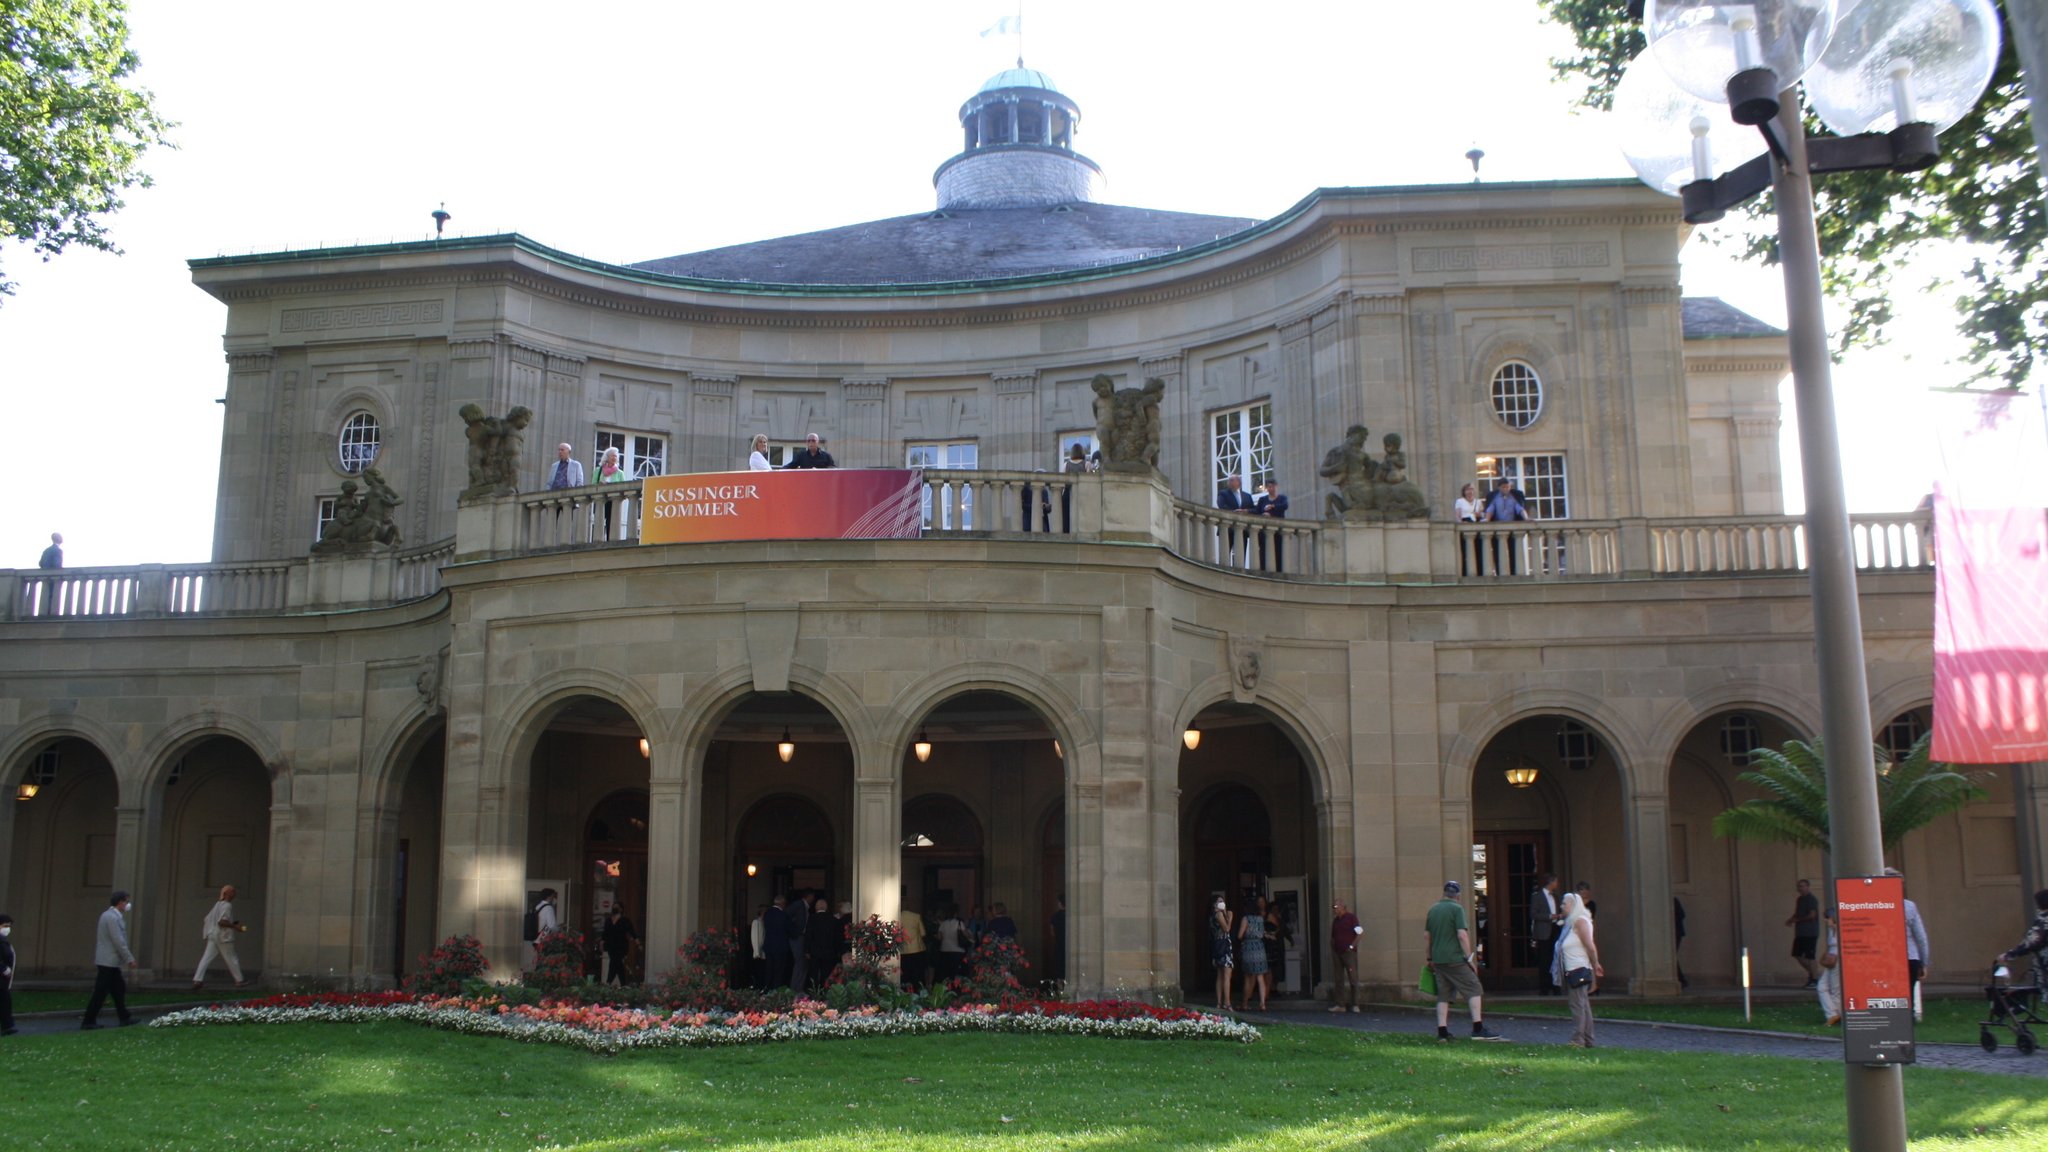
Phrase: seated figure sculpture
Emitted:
{"points": [[1127, 424], [495, 444]]}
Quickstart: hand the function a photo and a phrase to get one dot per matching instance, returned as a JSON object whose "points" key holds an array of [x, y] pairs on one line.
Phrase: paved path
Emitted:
{"points": [[1659, 1037]]}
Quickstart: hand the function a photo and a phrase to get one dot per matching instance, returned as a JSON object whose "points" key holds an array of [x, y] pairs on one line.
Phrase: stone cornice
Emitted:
{"points": [[865, 388], [1014, 383], [1709, 364], [251, 361], [710, 384]]}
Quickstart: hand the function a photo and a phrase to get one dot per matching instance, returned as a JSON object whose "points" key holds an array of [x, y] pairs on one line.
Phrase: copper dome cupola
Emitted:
{"points": [[1018, 147]]}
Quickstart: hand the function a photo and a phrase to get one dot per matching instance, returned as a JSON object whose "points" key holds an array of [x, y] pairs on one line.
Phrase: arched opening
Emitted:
{"points": [[1052, 887], [1965, 870], [615, 862], [1734, 893], [586, 764], [1248, 832], [62, 863], [215, 812], [774, 826], [1547, 798], [994, 762], [413, 851]]}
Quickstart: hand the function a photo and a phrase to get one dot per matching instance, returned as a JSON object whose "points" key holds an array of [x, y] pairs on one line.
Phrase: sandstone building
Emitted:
{"points": [[383, 749]]}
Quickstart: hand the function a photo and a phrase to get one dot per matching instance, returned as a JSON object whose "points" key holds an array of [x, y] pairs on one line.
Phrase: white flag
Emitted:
{"points": [[1004, 27]]}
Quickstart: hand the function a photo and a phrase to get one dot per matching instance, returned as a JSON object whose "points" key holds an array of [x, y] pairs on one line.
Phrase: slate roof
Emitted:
{"points": [[1712, 318], [957, 244]]}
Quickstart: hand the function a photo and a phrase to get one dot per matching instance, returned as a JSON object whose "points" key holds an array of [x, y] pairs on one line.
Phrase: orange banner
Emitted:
{"points": [[791, 504]]}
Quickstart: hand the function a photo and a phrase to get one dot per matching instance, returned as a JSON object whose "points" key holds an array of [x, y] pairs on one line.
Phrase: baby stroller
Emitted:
{"points": [[2013, 1006]]}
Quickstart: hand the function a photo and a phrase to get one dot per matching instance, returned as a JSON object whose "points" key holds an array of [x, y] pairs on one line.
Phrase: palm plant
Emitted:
{"points": [[1911, 793]]}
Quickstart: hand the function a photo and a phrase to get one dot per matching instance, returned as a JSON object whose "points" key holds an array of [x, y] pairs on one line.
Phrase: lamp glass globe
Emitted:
{"points": [[1703, 44], [1894, 62], [1665, 131]]}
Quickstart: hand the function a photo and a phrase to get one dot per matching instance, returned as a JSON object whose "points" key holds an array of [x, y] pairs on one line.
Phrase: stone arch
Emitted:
{"points": [[1054, 705], [1798, 712], [47, 728], [691, 726], [1320, 745], [1526, 343], [173, 740], [536, 704], [216, 808], [1461, 760], [400, 741], [1897, 698], [58, 850]]}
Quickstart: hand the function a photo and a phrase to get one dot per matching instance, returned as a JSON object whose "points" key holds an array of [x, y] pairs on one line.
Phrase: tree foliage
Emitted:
{"points": [[71, 133], [1911, 793], [1985, 191]]}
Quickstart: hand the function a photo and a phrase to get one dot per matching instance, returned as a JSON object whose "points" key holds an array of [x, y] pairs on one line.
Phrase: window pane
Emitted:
{"points": [[1517, 395], [359, 441]]}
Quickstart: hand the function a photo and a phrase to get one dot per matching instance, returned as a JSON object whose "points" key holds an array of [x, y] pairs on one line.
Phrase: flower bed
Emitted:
{"points": [[607, 1029]]}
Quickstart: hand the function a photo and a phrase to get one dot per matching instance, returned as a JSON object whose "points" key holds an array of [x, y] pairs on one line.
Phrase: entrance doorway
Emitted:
{"points": [[615, 863], [1505, 866]]}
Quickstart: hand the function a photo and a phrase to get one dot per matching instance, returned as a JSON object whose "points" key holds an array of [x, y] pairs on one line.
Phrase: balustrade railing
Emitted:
{"points": [[1244, 542], [1083, 508]]}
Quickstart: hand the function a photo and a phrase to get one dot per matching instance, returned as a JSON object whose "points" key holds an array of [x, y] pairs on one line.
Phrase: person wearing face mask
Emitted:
{"points": [[6, 975], [1222, 951], [110, 954]]}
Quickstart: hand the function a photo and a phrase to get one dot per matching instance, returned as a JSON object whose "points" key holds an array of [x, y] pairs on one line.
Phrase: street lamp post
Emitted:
{"points": [[1889, 75]]}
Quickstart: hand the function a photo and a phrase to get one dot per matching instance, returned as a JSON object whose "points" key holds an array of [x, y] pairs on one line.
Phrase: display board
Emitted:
{"points": [[1877, 984], [790, 504]]}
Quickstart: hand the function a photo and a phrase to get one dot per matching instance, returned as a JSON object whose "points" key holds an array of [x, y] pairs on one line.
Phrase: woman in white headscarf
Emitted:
{"points": [[1578, 964]]}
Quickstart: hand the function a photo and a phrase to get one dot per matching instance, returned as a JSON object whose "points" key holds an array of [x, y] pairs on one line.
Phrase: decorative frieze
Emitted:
{"points": [[472, 347], [709, 385], [253, 361], [395, 314], [1014, 384], [869, 388], [1510, 257]]}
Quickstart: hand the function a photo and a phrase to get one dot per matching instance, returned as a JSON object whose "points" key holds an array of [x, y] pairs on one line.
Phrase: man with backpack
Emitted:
{"points": [[540, 920]]}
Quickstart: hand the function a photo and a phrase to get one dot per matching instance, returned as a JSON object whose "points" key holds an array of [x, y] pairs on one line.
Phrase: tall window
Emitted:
{"points": [[1241, 445], [43, 772], [1540, 477], [1063, 446], [1517, 395], [323, 515], [640, 454], [958, 454], [1741, 736], [358, 443]]}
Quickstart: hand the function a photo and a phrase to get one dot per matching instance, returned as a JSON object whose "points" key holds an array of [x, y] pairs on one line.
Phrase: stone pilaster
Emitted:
{"points": [[714, 442], [248, 441], [1652, 426], [674, 832], [1176, 407], [1759, 469], [1016, 444], [564, 417], [1647, 821], [864, 405]]}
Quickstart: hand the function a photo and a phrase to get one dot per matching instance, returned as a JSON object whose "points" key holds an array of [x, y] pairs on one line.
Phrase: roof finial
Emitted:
{"points": [[1475, 155]]}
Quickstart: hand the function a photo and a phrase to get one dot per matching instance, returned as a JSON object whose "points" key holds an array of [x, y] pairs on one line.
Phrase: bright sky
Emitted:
{"points": [[626, 131]]}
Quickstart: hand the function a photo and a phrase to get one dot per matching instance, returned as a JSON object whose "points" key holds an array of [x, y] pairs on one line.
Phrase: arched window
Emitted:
{"points": [[1517, 394], [360, 439], [1902, 732], [1740, 737]]}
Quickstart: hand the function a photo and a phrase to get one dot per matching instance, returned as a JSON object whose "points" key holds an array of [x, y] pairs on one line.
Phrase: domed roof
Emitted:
{"points": [[1018, 78]]}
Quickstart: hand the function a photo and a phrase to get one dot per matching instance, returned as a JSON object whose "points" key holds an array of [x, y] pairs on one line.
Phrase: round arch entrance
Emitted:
{"points": [[589, 786], [62, 857], [1249, 832], [1547, 798], [984, 819], [773, 824], [214, 822]]}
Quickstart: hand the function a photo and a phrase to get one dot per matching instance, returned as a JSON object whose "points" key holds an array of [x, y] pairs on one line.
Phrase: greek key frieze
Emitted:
{"points": [[1510, 257], [397, 314]]}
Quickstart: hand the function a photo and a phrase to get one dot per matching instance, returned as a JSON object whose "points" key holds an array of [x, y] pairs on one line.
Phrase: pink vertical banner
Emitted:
{"points": [[1991, 582]]}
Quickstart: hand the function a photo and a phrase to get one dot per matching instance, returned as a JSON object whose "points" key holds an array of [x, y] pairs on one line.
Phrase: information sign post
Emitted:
{"points": [[1877, 984]]}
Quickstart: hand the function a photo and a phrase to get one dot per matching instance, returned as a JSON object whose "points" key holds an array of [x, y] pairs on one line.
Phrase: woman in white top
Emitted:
{"points": [[759, 460], [1469, 509], [1575, 950]]}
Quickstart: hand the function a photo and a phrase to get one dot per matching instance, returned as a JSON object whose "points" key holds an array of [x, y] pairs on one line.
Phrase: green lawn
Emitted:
{"points": [[1946, 1021], [391, 1086]]}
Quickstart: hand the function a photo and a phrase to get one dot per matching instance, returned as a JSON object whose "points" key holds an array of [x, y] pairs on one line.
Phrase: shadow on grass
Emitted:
{"points": [[395, 1085]]}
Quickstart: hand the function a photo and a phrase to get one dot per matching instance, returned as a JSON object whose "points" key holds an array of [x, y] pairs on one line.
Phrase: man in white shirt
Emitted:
{"points": [[567, 473]]}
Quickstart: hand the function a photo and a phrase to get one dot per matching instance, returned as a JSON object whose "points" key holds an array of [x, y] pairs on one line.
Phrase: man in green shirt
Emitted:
{"points": [[1450, 960]]}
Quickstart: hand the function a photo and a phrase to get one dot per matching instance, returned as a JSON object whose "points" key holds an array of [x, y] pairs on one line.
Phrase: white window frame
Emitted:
{"points": [[781, 452], [1066, 440], [642, 454], [324, 508], [1544, 478], [359, 442], [1515, 392], [956, 455], [1241, 445]]}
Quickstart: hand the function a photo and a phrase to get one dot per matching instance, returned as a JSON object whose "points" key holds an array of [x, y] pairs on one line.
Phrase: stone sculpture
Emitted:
{"points": [[1368, 489], [362, 520], [495, 445], [1127, 424]]}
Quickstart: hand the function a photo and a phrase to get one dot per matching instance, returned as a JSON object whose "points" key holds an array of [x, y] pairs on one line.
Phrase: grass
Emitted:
{"points": [[1946, 1021], [391, 1086], [73, 999]]}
